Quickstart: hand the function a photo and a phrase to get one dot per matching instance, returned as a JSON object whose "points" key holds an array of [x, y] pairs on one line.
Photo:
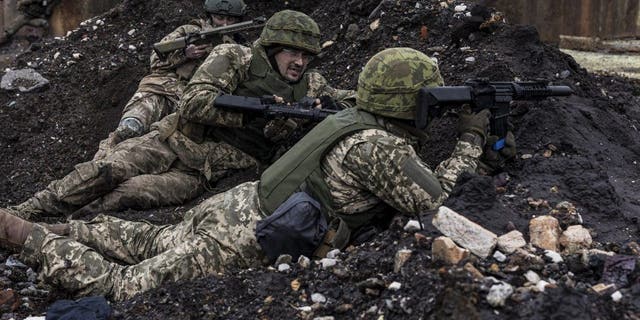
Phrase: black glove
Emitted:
{"points": [[492, 160], [329, 104], [477, 123]]}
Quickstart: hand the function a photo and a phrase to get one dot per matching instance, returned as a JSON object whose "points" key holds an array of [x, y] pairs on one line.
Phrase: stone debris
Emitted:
{"points": [[328, 263], [23, 80], [499, 293], [475, 273], [545, 232], [401, 257], [603, 288], [284, 267], [464, 232], [412, 226], [575, 238], [394, 286], [318, 298], [532, 277], [499, 256], [616, 296], [445, 250], [333, 254], [553, 256], [509, 242], [284, 258], [304, 262]]}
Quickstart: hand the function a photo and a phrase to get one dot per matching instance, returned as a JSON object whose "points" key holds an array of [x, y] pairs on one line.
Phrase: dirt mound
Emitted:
{"points": [[582, 150]]}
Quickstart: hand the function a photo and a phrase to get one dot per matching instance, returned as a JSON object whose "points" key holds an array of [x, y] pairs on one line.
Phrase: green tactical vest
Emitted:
{"points": [[263, 80], [299, 168]]}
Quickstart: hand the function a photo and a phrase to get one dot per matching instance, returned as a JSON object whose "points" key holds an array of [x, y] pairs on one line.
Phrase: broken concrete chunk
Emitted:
{"points": [[509, 242], [575, 238], [400, 259], [499, 293], [545, 232], [464, 232], [444, 249], [24, 80]]}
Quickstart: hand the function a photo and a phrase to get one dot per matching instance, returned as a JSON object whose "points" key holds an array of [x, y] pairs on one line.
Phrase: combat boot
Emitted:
{"points": [[13, 230], [61, 229]]}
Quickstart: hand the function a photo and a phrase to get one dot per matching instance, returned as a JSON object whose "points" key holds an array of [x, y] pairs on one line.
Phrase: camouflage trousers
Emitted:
{"points": [[142, 172], [148, 107], [217, 234]]}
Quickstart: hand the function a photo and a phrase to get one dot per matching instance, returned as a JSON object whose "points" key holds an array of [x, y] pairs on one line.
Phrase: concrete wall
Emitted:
{"points": [[607, 19]]}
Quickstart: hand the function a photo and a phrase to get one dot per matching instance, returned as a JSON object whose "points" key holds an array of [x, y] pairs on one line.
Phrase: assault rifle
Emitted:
{"points": [[481, 94], [269, 108], [163, 48]]}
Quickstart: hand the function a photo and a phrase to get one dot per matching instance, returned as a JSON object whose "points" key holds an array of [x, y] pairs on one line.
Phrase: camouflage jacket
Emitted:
{"points": [[224, 71], [374, 167], [169, 76]]}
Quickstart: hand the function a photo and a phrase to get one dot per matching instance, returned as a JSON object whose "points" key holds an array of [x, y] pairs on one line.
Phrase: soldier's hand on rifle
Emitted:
{"points": [[474, 123], [492, 160], [195, 52]]}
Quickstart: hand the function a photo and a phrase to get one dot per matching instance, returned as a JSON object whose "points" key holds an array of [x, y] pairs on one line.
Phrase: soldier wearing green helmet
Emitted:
{"points": [[189, 151], [159, 92], [356, 168]]}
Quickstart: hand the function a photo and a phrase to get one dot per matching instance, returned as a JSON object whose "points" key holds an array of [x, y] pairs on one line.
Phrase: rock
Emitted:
{"points": [[132, 48], [394, 286], [77, 55], [283, 267], [460, 8], [499, 293], [327, 44], [509, 242], [499, 256], [616, 296], [131, 32], [541, 285], [304, 262], [371, 283], [318, 298], [333, 254], [374, 25], [328, 263], [565, 74], [475, 273], [445, 250], [56, 55], [553, 256], [575, 238], [284, 258], [470, 60], [324, 318], [400, 259], [412, 226], [545, 232], [23, 80], [595, 256], [532, 277], [464, 232], [295, 285]]}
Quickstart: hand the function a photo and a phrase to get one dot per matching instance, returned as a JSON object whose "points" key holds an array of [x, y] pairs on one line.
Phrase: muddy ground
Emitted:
{"points": [[584, 149]]}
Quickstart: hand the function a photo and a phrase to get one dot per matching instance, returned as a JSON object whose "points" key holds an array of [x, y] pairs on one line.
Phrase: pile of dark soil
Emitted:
{"points": [[583, 149]]}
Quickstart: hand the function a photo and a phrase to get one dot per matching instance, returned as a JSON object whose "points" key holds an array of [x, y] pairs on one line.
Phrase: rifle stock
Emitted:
{"points": [[481, 94], [165, 47]]}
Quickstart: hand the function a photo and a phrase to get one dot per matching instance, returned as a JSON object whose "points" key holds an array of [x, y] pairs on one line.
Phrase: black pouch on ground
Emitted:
{"points": [[89, 308], [296, 228]]}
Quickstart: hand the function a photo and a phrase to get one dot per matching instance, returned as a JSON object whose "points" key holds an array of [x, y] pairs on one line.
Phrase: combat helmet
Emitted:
{"points": [[234, 8], [388, 84], [292, 29]]}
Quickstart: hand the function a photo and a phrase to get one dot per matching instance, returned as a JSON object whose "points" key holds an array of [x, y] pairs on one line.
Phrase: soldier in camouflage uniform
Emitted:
{"points": [[158, 93], [199, 144], [358, 163]]}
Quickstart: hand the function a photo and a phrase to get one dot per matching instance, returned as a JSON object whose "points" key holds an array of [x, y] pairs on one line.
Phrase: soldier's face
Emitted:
{"points": [[220, 20], [292, 63]]}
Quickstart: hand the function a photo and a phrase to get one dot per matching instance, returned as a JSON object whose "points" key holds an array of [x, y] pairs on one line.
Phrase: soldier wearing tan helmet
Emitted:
{"points": [[353, 168], [159, 92], [190, 150]]}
